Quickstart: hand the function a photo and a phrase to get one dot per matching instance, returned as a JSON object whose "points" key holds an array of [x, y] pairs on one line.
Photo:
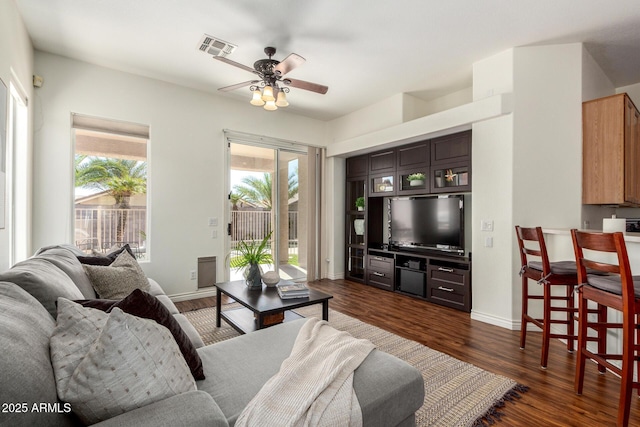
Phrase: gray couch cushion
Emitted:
{"points": [[42, 279], [189, 330], [190, 409], [65, 259], [158, 292], [256, 357], [27, 375]]}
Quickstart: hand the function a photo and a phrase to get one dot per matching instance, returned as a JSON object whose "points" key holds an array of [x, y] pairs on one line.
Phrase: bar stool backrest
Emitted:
{"points": [[608, 243], [532, 234]]}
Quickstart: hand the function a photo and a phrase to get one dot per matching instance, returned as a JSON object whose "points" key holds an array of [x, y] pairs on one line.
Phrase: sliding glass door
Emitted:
{"points": [[269, 194]]}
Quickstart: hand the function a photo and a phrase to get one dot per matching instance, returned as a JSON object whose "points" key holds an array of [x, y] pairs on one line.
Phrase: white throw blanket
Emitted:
{"points": [[314, 386]]}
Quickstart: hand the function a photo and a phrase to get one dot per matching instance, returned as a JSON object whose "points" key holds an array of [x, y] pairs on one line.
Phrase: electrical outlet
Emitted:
{"points": [[214, 234], [488, 242], [192, 275]]}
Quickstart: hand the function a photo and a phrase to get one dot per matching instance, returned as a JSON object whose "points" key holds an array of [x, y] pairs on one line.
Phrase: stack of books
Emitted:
{"points": [[288, 290]]}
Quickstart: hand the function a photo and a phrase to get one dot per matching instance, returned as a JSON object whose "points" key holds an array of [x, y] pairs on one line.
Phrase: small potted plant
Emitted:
{"points": [[360, 203], [416, 179], [250, 255]]}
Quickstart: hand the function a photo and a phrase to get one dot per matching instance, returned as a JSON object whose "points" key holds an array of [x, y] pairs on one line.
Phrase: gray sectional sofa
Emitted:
{"points": [[388, 389]]}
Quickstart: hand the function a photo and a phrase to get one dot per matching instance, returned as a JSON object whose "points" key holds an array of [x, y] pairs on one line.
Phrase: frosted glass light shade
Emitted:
{"points": [[282, 99], [257, 98], [270, 106], [267, 94]]}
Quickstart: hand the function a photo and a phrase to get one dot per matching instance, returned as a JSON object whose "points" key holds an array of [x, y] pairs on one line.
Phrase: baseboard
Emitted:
{"points": [[494, 320], [200, 293], [335, 276]]}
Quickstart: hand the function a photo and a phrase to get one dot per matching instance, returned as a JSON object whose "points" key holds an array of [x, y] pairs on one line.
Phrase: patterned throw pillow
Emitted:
{"points": [[132, 363], [76, 330], [142, 304], [117, 280]]}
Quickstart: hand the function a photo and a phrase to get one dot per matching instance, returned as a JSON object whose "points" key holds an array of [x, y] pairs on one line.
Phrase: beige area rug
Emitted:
{"points": [[456, 393]]}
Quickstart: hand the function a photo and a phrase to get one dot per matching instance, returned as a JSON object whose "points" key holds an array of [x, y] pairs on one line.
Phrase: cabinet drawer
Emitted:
{"points": [[449, 287], [446, 296], [380, 279], [381, 264]]}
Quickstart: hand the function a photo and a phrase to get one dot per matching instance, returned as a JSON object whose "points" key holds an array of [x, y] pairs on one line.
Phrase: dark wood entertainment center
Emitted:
{"points": [[435, 276]]}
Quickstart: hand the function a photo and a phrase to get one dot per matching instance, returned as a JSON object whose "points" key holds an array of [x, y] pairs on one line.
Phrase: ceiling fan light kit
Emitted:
{"points": [[270, 91], [257, 98]]}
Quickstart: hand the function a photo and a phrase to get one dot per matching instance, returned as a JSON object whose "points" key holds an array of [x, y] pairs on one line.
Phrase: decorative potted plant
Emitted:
{"points": [[416, 179], [250, 255], [360, 203]]}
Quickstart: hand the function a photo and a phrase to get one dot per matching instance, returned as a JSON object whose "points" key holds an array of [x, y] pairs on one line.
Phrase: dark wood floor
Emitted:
{"points": [[550, 401]]}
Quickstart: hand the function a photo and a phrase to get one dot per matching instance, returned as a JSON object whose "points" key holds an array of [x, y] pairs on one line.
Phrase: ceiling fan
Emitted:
{"points": [[270, 90]]}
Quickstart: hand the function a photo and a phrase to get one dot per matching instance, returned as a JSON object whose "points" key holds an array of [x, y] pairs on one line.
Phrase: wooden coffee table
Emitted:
{"points": [[258, 304]]}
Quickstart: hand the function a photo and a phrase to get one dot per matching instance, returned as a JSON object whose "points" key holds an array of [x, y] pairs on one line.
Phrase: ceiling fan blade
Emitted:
{"points": [[235, 64], [238, 85], [301, 84], [289, 63]]}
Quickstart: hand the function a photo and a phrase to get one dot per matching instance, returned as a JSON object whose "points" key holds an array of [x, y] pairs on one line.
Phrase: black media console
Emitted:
{"points": [[437, 278]]}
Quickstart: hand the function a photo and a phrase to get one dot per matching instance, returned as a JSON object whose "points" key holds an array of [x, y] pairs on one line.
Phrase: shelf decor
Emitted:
{"points": [[416, 179], [450, 176], [360, 203]]}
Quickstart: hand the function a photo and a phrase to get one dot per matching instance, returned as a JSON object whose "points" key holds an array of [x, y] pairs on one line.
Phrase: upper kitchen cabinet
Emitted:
{"points": [[382, 162], [611, 152], [358, 166], [455, 148]]}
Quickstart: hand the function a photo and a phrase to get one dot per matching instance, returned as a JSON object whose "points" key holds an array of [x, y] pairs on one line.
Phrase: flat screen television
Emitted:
{"points": [[428, 223]]}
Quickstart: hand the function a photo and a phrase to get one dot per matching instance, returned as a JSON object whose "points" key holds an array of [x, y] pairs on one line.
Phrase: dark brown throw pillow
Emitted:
{"points": [[142, 304], [106, 259]]}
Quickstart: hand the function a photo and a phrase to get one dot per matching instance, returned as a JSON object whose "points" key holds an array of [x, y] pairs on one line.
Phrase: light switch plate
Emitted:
{"points": [[486, 225]]}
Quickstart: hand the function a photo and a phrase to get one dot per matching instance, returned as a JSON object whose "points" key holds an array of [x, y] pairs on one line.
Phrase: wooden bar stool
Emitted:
{"points": [[617, 290], [559, 274]]}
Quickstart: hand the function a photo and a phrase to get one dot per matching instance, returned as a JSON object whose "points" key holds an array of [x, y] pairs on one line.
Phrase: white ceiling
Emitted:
{"points": [[364, 50]]}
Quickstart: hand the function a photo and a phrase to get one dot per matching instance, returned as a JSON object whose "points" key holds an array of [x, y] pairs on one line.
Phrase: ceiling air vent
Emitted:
{"points": [[215, 47]]}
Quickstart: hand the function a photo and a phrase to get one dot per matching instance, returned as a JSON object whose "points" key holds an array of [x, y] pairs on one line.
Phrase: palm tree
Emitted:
{"points": [[120, 178], [257, 191]]}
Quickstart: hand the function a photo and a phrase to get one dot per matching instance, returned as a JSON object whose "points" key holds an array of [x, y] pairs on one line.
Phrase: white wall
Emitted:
{"points": [[16, 64], [187, 157], [443, 103], [380, 115], [538, 151], [492, 187]]}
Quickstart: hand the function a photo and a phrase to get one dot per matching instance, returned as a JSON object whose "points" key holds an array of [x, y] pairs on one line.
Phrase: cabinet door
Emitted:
{"points": [[381, 185], [355, 268], [455, 177], [413, 156], [357, 166], [413, 181], [384, 161], [632, 154], [451, 149]]}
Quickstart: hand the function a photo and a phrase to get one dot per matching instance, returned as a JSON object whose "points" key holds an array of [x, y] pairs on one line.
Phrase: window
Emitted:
{"points": [[14, 167], [111, 168]]}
